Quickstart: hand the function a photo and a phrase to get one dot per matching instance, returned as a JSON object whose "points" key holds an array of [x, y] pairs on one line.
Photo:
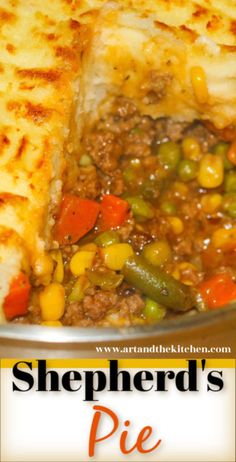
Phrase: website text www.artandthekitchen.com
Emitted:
{"points": [[163, 349]]}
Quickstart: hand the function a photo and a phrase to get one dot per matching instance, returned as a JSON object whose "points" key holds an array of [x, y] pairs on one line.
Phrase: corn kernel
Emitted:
{"points": [[176, 274], [181, 190], [176, 224], [179, 271], [51, 323], [89, 247], [191, 149], [223, 238], [211, 171], [157, 253], [81, 260], [58, 274], [43, 265], [52, 302], [211, 203], [199, 83], [115, 255]]}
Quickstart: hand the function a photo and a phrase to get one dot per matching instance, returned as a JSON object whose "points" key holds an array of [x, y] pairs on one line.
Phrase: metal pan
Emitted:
{"points": [[211, 331]]}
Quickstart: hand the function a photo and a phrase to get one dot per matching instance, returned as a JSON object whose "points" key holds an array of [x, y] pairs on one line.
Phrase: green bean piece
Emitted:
{"points": [[140, 207], [187, 170], [221, 149], [153, 312], [229, 204], [169, 155], [105, 280], [157, 253], [85, 160], [230, 181], [157, 285], [168, 208], [77, 293], [107, 238]]}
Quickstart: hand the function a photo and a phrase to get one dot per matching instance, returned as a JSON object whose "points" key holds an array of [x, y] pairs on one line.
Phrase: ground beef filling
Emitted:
{"points": [[168, 203]]}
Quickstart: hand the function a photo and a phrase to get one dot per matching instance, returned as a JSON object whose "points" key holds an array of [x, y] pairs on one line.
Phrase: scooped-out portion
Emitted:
{"points": [[147, 231]]}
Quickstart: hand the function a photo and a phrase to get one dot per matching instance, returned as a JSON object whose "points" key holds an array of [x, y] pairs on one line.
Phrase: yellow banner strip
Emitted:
{"points": [[127, 363]]}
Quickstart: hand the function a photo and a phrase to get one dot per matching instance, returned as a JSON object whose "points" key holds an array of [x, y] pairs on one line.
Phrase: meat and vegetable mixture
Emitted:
{"points": [[148, 230]]}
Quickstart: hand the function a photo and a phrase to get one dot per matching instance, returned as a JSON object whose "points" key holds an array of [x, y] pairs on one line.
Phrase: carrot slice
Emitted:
{"points": [[218, 290], [16, 302], [226, 134], [114, 211], [231, 154], [77, 217]]}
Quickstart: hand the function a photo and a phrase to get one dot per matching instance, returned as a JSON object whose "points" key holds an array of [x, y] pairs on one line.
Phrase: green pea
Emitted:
{"points": [[230, 181], [107, 238], [85, 160], [229, 204], [168, 207], [169, 155], [140, 207], [157, 253], [221, 149], [150, 188], [129, 175], [187, 170], [136, 131], [153, 311]]}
